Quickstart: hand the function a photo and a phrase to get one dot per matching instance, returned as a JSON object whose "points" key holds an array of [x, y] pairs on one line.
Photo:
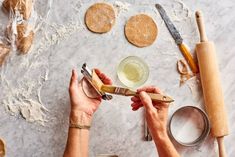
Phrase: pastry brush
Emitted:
{"points": [[128, 92]]}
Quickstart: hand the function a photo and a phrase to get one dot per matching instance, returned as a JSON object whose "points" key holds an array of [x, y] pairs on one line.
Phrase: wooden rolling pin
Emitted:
{"points": [[212, 91]]}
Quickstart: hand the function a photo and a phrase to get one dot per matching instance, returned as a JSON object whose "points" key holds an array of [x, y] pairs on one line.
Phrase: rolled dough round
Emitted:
{"points": [[100, 18], [89, 90], [2, 148], [141, 30]]}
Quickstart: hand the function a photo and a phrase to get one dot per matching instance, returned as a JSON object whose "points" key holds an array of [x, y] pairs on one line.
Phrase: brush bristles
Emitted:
{"points": [[96, 80], [108, 88]]}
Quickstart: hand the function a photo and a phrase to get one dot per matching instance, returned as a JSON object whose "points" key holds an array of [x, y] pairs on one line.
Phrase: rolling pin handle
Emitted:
{"points": [[222, 152], [201, 26]]}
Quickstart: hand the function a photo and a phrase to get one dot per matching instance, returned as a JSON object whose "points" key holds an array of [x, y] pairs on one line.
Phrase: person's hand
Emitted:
{"points": [[79, 101], [156, 113]]}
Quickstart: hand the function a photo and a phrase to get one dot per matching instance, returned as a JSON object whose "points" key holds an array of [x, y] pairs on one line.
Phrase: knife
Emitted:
{"points": [[178, 39]]}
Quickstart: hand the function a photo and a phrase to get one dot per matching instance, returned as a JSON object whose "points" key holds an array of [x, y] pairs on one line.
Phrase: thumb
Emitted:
{"points": [[74, 77], [146, 100]]}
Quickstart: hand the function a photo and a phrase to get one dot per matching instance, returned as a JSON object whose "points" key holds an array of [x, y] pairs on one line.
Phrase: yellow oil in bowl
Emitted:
{"points": [[133, 72]]}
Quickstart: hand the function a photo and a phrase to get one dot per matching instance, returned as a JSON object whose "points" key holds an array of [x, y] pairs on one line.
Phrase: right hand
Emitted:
{"points": [[156, 112]]}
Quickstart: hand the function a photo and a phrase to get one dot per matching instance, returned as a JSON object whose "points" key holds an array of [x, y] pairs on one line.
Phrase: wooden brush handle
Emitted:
{"points": [[153, 96], [222, 152], [201, 26], [157, 97], [128, 92]]}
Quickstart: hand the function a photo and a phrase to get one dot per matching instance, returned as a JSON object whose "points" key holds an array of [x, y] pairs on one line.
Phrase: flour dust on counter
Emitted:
{"points": [[58, 33], [23, 98], [77, 5], [180, 8], [121, 6], [23, 76], [195, 87]]}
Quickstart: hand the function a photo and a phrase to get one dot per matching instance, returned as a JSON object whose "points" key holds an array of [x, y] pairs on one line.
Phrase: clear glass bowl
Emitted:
{"points": [[133, 71]]}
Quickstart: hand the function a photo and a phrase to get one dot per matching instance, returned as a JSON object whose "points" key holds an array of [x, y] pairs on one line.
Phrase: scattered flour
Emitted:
{"points": [[195, 87], [59, 33], [19, 97], [76, 6], [22, 95], [121, 6], [182, 10], [22, 78]]}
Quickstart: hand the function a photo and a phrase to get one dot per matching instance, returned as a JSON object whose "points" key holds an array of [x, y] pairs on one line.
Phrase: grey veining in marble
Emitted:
{"points": [[116, 128]]}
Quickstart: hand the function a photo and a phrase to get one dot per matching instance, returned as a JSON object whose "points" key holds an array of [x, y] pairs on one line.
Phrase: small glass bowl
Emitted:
{"points": [[133, 71]]}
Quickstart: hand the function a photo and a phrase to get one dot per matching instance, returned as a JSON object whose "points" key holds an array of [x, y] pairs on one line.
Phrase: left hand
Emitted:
{"points": [[79, 101]]}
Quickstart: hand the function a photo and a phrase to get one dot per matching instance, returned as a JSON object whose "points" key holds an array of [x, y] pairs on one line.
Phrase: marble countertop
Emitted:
{"points": [[63, 43]]}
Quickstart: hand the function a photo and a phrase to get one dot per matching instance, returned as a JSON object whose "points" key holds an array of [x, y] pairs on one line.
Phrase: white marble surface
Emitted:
{"points": [[116, 128]]}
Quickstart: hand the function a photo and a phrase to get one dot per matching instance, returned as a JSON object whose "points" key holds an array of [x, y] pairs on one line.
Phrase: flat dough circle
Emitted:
{"points": [[89, 90], [141, 30], [2, 148], [100, 18]]}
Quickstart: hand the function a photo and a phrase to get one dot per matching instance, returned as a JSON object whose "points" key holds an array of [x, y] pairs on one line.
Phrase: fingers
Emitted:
{"points": [[150, 89], [136, 103], [136, 106], [74, 79], [135, 99], [146, 100], [105, 79]]}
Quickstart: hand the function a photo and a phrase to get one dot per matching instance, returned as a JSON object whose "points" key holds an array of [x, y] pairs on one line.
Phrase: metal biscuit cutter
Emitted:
{"points": [[87, 73]]}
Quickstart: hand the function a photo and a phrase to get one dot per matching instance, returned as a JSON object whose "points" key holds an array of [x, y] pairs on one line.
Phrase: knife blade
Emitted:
{"points": [[178, 39]]}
